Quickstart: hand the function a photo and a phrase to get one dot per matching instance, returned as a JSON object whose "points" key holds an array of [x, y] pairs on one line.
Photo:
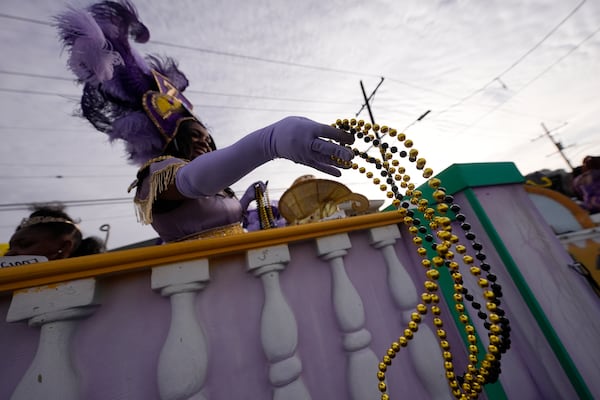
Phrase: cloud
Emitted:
{"points": [[251, 64]]}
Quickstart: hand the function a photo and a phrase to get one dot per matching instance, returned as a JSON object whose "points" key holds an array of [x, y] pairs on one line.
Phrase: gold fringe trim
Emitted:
{"points": [[159, 182], [220, 231]]}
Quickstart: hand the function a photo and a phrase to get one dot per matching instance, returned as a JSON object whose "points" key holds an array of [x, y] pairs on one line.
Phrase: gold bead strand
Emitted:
{"points": [[416, 318], [443, 250], [499, 333], [431, 297], [469, 388], [381, 164], [265, 212], [498, 324], [470, 384], [269, 210]]}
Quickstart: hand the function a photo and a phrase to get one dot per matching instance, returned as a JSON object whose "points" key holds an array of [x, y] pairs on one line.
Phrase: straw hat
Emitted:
{"points": [[310, 199]]}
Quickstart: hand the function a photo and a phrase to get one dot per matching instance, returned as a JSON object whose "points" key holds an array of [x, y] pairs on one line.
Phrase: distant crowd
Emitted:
{"points": [[582, 185]]}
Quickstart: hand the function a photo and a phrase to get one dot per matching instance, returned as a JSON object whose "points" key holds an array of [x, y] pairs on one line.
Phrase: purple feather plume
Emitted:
{"points": [[90, 55], [141, 135], [116, 76]]}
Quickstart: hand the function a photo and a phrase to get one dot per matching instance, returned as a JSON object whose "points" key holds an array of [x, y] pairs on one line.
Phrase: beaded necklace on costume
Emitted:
{"points": [[263, 205], [436, 234]]}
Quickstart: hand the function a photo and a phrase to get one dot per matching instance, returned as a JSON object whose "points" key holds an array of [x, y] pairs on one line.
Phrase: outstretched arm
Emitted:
{"points": [[294, 138]]}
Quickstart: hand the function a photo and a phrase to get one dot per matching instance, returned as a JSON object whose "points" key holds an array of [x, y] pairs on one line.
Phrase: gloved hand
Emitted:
{"points": [[250, 194], [295, 138], [299, 139]]}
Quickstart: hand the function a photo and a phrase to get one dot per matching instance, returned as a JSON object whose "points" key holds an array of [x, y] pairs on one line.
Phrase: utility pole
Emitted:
{"points": [[368, 106], [367, 99], [558, 145]]}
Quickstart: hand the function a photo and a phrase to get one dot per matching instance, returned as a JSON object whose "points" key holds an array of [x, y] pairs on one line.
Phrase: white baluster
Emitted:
{"points": [[55, 309], [423, 349], [278, 328], [350, 314], [183, 360]]}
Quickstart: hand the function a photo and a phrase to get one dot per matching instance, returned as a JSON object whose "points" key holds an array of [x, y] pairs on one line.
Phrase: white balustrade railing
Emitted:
{"points": [[55, 309], [184, 356], [349, 311], [423, 349], [183, 360], [278, 328]]}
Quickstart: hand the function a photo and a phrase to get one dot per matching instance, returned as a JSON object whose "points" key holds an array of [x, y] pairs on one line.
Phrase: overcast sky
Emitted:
{"points": [[491, 72]]}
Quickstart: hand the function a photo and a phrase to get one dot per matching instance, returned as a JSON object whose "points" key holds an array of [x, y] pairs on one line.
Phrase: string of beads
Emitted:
{"points": [[446, 247], [263, 205]]}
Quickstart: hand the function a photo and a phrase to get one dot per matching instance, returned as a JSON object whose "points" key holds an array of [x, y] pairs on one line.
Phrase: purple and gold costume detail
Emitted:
{"points": [[190, 217], [140, 101], [587, 188], [167, 107], [127, 96]]}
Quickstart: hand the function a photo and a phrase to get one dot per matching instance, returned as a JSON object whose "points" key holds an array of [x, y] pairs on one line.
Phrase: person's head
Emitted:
{"points": [[591, 162], [192, 139], [51, 233]]}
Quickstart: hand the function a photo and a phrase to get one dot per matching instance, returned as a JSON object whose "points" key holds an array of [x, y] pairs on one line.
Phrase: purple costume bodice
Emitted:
{"points": [[587, 186], [174, 221]]}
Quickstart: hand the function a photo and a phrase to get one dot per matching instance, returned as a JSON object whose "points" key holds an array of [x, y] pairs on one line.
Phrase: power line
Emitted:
{"points": [[278, 110], [261, 59], [38, 129], [518, 61], [67, 203], [392, 105], [248, 96], [31, 20], [209, 51], [224, 107], [32, 75], [286, 63], [535, 78], [24, 165], [38, 92], [58, 176], [422, 88], [53, 77], [567, 54], [210, 93], [514, 64], [252, 58]]}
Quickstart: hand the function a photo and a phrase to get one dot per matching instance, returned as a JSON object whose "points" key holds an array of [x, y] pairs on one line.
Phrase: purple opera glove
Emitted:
{"points": [[295, 138], [299, 139], [250, 194]]}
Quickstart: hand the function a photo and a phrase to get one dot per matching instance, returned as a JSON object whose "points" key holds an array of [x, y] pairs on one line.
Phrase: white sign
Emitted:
{"points": [[16, 261]]}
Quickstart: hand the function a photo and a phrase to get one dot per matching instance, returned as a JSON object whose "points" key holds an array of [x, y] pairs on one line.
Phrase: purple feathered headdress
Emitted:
{"points": [[129, 97]]}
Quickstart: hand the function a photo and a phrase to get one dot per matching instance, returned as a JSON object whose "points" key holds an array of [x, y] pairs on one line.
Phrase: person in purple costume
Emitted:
{"points": [[182, 186], [587, 184]]}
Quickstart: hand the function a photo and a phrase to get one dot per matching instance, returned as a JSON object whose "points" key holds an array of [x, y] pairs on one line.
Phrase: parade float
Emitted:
{"points": [[460, 288]]}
